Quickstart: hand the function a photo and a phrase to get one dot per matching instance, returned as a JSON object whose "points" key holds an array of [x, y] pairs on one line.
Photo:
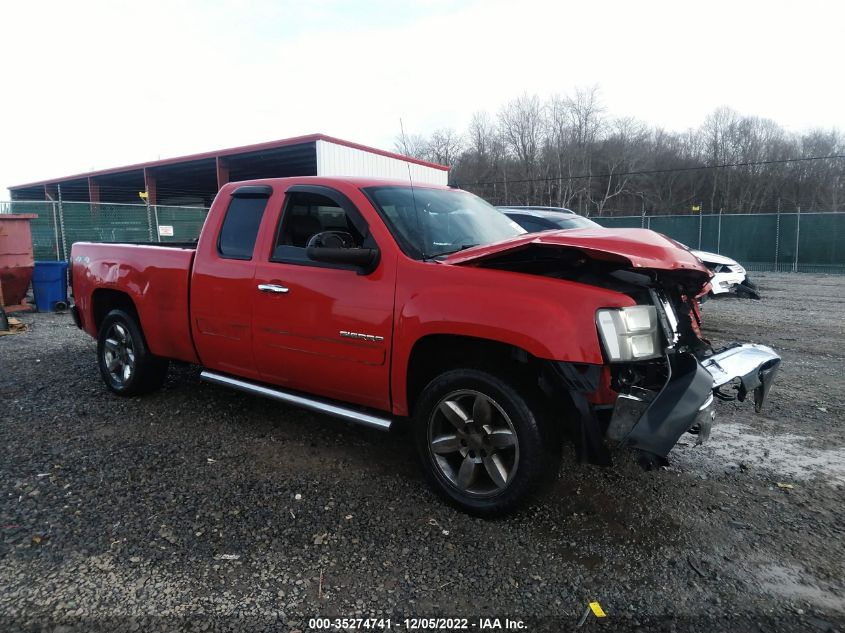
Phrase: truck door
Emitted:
{"points": [[222, 284], [322, 328]]}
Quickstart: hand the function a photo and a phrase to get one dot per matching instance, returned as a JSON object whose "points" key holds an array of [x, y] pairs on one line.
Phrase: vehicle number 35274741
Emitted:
{"points": [[414, 624]]}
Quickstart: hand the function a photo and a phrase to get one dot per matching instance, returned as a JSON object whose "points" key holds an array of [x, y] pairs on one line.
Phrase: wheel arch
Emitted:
{"points": [[104, 300], [433, 354]]}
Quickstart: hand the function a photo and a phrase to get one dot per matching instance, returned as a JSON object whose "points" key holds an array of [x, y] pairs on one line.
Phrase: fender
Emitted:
{"points": [[548, 318], [159, 292]]}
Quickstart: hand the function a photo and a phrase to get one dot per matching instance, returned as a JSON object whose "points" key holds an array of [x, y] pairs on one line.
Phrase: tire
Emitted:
{"points": [[485, 467], [744, 290], [126, 364]]}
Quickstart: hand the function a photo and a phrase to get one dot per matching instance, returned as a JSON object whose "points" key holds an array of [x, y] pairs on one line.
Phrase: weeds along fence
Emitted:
{"points": [[60, 224], [788, 242]]}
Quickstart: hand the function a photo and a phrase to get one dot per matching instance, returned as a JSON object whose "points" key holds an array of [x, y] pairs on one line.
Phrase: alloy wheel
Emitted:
{"points": [[473, 443], [119, 354]]}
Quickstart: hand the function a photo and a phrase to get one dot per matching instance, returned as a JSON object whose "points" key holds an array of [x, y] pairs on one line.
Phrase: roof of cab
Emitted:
{"points": [[356, 181]]}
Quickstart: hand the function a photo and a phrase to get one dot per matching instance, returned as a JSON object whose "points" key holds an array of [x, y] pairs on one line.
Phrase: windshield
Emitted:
{"points": [[575, 222], [433, 222]]}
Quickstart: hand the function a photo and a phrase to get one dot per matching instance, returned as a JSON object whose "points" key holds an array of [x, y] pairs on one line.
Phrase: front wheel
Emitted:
{"points": [[480, 443], [126, 364]]}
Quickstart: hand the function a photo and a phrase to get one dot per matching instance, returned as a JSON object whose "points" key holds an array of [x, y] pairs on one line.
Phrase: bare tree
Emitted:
{"points": [[618, 156], [521, 125], [716, 132], [413, 145], [567, 151], [444, 146], [481, 135]]}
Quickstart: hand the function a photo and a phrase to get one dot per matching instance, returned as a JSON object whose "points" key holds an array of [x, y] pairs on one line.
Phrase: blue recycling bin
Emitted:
{"points": [[49, 285]]}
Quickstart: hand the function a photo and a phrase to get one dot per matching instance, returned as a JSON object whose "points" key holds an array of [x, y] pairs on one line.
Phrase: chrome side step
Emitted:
{"points": [[351, 415]]}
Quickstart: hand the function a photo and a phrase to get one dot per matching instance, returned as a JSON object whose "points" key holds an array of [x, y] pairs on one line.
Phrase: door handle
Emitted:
{"points": [[273, 288]]}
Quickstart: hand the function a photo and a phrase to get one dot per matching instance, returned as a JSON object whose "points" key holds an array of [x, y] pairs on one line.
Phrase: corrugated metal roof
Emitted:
{"points": [[334, 159], [257, 148]]}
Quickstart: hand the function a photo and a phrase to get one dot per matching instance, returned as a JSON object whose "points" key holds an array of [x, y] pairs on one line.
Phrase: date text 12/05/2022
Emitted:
{"points": [[419, 624]]}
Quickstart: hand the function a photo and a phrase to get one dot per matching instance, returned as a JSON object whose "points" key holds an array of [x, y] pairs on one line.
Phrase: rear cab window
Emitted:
{"points": [[240, 226]]}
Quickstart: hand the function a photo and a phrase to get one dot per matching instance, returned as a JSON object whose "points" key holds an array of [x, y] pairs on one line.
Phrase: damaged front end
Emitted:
{"points": [[662, 398], [661, 377]]}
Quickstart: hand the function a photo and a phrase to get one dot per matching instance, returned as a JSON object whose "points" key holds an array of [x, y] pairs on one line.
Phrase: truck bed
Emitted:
{"points": [[154, 276], [183, 245]]}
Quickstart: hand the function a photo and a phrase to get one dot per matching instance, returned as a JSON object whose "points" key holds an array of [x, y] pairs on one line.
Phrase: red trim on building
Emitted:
{"points": [[234, 151], [93, 191], [222, 172], [150, 186]]}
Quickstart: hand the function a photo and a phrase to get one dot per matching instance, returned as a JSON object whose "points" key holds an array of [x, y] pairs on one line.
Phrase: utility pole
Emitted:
{"points": [[62, 224], [719, 234], [145, 196], [55, 225], [697, 209], [777, 235], [642, 216]]}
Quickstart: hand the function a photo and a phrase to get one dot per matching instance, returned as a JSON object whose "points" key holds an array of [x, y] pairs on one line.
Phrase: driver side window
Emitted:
{"points": [[305, 215]]}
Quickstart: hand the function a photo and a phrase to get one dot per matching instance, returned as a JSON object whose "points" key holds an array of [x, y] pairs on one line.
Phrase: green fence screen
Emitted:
{"points": [[58, 226], [805, 242]]}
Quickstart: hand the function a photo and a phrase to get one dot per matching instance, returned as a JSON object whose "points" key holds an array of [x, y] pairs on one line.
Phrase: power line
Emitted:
{"points": [[652, 171], [192, 189]]}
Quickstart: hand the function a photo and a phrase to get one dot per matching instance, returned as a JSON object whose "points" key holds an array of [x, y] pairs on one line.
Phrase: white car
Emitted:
{"points": [[728, 275]]}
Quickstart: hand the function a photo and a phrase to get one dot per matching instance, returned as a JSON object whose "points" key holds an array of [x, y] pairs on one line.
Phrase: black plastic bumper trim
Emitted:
{"points": [[674, 410]]}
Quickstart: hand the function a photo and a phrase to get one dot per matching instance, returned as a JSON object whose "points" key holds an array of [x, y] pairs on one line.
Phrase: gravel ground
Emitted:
{"points": [[201, 508]]}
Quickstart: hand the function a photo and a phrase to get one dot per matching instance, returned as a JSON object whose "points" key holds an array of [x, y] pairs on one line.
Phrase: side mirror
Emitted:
{"points": [[337, 247], [350, 256]]}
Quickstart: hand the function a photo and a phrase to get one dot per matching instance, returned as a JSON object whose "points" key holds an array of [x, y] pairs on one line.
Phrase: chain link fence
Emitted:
{"points": [[60, 224], [797, 242]]}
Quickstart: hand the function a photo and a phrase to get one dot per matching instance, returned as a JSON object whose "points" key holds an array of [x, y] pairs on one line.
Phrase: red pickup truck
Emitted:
{"points": [[384, 303]]}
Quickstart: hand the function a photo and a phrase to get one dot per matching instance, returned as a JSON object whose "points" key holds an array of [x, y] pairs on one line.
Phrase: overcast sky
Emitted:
{"points": [[91, 85]]}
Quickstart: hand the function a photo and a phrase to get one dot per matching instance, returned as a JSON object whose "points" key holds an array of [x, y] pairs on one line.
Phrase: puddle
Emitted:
{"points": [[787, 457], [786, 582]]}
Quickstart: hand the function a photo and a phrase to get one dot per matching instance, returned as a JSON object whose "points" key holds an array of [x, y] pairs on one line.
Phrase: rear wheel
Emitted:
{"points": [[480, 443], [126, 364]]}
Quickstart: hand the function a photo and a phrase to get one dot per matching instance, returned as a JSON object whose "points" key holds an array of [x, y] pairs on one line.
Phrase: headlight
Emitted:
{"points": [[629, 333]]}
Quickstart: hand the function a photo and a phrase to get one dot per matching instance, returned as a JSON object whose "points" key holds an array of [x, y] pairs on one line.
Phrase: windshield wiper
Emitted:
{"points": [[462, 247]]}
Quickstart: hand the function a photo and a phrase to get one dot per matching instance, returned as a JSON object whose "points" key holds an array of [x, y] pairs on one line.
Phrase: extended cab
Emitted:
{"points": [[384, 303]]}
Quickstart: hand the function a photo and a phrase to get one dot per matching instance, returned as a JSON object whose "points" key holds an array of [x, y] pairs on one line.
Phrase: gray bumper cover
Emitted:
{"points": [[654, 422], [754, 365]]}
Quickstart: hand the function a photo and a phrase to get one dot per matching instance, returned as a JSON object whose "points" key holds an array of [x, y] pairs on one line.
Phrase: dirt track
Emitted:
{"points": [[199, 507]]}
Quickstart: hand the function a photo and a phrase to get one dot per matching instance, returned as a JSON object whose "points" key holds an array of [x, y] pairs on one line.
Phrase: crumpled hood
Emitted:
{"points": [[640, 248]]}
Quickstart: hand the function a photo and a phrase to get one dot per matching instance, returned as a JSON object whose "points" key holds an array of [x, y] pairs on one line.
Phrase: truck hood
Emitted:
{"points": [[639, 248]]}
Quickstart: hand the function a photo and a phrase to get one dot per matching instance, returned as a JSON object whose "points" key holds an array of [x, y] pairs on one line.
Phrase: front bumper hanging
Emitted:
{"points": [[654, 421], [754, 365]]}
